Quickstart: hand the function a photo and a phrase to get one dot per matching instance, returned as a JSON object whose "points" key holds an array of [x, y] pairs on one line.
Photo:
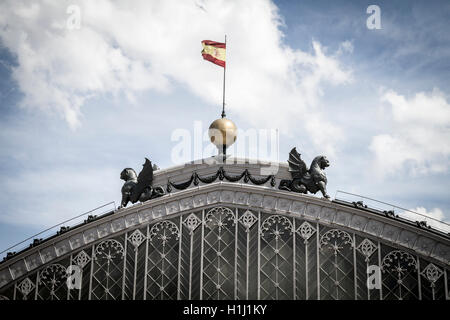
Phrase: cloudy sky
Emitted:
{"points": [[82, 99]]}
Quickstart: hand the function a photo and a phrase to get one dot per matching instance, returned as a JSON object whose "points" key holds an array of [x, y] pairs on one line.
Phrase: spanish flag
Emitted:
{"points": [[214, 52]]}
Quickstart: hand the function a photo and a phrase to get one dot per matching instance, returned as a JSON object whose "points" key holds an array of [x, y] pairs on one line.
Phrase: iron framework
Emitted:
{"points": [[236, 253]]}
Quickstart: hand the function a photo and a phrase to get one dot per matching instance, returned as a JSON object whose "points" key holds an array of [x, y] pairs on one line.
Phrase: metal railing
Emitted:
{"points": [[420, 219], [52, 231]]}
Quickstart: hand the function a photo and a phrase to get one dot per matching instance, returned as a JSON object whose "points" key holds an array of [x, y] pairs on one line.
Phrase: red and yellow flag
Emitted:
{"points": [[214, 52]]}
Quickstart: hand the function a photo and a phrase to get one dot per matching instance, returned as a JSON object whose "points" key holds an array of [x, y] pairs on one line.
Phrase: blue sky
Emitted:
{"points": [[77, 106]]}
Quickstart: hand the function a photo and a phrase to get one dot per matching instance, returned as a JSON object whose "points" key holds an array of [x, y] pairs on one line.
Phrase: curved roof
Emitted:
{"points": [[263, 195]]}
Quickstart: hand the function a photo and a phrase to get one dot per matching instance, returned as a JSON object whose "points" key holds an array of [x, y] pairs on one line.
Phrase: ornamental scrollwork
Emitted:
{"points": [[53, 276], [336, 240], [367, 248], [432, 273], [221, 174], [81, 259], [164, 231], [26, 286], [219, 217], [276, 226], [136, 238], [248, 219], [399, 262], [306, 230], [192, 222], [109, 249]]}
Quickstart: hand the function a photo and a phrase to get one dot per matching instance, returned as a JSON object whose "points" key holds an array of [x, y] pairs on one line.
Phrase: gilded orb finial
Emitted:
{"points": [[222, 133]]}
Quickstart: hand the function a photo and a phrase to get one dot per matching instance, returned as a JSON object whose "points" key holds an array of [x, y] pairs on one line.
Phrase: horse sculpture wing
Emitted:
{"points": [[145, 179], [297, 167]]}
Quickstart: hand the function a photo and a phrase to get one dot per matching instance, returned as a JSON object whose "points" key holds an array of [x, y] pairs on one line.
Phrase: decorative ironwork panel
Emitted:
{"points": [[400, 280], [52, 283], [235, 253], [219, 254], [107, 271], [305, 261], [433, 281], [25, 289], [276, 258], [336, 265], [247, 256], [162, 269], [190, 257], [83, 260], [134, 264], [366, 255]]}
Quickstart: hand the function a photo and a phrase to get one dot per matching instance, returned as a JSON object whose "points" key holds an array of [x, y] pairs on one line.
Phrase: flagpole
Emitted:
{"points": [[224, 68]]}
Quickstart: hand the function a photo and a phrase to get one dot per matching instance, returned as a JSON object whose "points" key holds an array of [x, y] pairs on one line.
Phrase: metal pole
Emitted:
{"points": [[294, 288], [447, 297], [36, 289], [179, 259], [201, 254], [355, 278], [124, 270], [318, 261], [68, 288], [419, 281], [259, 257], [190, 263], [224, 68], [379, 264], [146, 261], [235, 254], [91, 273]]}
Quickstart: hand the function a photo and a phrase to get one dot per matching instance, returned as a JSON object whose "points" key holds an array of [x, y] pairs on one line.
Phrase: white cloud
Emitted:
{"points": [[434, 214], [345, 46], [123, 48], [419, 136]]}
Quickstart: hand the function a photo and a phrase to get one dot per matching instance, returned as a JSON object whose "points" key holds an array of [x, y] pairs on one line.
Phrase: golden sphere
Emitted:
{"points": [[222, 132]]}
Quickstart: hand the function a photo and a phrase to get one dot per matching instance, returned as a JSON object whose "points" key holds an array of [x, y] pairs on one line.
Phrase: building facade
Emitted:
{"points": [[226, 231]]}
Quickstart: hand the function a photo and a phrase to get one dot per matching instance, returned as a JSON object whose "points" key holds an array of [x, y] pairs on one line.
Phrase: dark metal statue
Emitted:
{"points": [[303, 179], [139, 188]]}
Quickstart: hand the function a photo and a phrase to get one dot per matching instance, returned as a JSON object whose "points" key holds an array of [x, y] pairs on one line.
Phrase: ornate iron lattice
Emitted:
{"points": [[336, 269], [306, 231], [432, 273], [236, 253], [81, 259], [276, 258], [26, 287], [219, 254], [400, 281], [108, 270], [367, 248], [136, 239], [52, 282], [248, 219], [163, 255], [192, 222]]}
